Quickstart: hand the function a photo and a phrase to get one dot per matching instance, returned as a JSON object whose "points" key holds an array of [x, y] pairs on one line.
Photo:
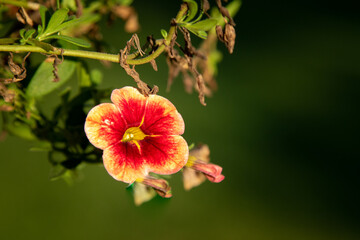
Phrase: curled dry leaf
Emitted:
{"points": [[54, 59], [18, 71], [154, 65]]}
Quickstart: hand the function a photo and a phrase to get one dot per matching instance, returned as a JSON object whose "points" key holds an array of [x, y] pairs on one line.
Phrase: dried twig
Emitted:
{"points": [[143, 87], [55, 61], [79, 9], [224, 12]]}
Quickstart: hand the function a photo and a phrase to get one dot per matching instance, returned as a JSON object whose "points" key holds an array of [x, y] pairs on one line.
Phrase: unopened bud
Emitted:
{"points": [[219, 33], [161, 186], [229, 37]]}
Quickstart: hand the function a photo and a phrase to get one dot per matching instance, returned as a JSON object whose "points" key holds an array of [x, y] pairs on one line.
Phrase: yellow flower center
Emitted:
{"points": [[133, 135]]}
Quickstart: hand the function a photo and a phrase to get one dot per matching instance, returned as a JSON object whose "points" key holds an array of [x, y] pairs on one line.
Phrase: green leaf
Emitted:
{"points": [[213, 59], [191, 146], [69, 23], [83, 76], [56, 171], [199, 33], [124, 2], [29, 33], [22, 32], [164, 33], [96, 76], [193, 9], [76, 41], [41, 146], [46, 46], [55, 21], [71, 4], [204, 25], [20, 130], [40, 29], [1, 123], [42, 11], [8, 40], [42, 81]]}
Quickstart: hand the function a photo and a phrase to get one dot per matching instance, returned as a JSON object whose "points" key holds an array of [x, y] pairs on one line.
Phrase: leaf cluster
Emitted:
{"points": [[198, 27], [50, 30]]}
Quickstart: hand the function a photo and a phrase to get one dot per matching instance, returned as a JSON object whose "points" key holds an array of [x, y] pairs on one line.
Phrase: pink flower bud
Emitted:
{"points": [[161, 186], [211, 171], [198, 168]]}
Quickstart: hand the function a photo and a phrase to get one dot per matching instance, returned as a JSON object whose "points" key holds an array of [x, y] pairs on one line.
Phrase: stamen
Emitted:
{"points": [[133, 135], [190, 161]]}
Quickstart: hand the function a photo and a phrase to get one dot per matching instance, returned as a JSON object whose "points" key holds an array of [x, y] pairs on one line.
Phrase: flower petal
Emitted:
{"points": [[192, 178], [131, 105], [142, 193], [104, 125], [165, 154], [124, 162], [201, 152], [162, 118]]}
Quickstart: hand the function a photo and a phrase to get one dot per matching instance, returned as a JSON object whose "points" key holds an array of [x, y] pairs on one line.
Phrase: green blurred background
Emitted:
{"points": [[284, 126]]}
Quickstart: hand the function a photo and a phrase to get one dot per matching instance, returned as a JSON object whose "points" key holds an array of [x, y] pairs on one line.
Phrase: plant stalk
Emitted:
{"points": [[24, 4], [98, 55]]}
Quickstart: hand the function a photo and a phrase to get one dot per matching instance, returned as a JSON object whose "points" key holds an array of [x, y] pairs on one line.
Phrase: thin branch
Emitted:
{"points": [[25, 4], [97, 55]]}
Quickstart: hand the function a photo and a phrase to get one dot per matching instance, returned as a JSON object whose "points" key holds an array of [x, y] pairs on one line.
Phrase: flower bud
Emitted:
{"points": [[146, 189], [219, 33], [211, 171], [229, 37], [161, 186], [198, 168]]}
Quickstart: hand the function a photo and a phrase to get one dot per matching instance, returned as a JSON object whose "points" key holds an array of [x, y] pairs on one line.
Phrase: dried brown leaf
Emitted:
{"points": [[154, 65]]}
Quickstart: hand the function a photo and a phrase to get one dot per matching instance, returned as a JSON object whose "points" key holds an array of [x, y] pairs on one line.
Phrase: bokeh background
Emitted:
{"points": [[284, 126]]}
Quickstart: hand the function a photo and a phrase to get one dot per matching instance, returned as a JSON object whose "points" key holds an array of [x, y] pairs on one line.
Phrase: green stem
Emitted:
{"points": [[25, 4], [97, 55]]}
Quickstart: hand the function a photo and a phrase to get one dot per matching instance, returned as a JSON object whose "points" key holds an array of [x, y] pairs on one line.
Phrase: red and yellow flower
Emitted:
{"points": [[138, 135]]}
